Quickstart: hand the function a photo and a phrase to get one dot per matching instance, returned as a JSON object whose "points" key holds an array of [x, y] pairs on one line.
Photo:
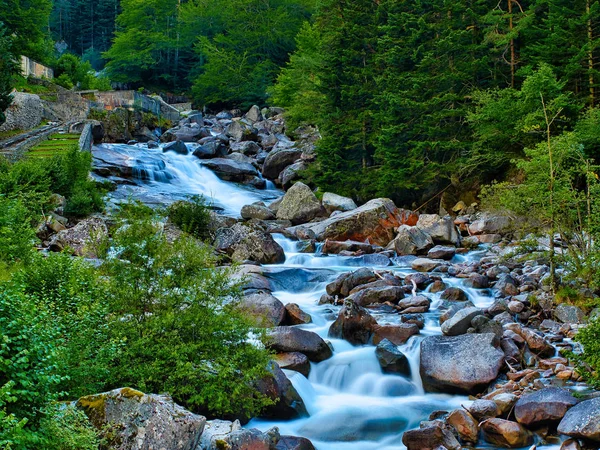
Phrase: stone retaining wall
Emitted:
{"points": [[86, 139]]}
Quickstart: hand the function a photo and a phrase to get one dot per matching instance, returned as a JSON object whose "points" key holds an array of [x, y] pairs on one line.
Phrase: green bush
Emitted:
{"points": [[588, 363], [16, 235], [182, 336], [193, 216]]}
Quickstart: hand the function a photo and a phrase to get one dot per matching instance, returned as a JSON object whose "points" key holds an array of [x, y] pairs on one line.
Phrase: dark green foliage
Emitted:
{"points": [[27, 24], [16, 235], [71, 71], [588, 363], [191, 216], [8, 68]]}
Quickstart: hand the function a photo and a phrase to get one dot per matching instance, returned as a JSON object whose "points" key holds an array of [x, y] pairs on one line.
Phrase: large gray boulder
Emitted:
{"points": [[131, 420], [231, 170], [245, 244], [299, 205], [219, 434], [460, 322], [291, 173], [263, 309], [490, 225], [410, 241], [544, 407], [373, 222], [582, 421], [460, 364], [177, 147], [333, 202], [441, 229], [278, 159], [391, 359], [81, 238], [292, 339], [569, 314], [257, 211], [353, 324]]}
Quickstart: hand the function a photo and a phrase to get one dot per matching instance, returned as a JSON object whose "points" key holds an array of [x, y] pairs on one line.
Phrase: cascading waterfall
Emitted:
{"points": [[352, 404]]}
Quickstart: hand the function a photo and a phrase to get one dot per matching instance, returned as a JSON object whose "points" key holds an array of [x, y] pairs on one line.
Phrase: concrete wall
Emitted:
{"points": [[134, 100], [86, 139], [31, 68]]}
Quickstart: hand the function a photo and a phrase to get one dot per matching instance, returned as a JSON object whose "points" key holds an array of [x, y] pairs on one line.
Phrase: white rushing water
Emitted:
{"points": [[352, 404]]}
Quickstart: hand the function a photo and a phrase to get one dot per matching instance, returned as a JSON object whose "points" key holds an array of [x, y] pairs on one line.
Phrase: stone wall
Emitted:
{"points": [[86, 139], [31, 68], [25, 112]]}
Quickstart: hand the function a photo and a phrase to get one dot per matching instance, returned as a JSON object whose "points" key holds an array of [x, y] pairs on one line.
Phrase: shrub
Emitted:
{"points": [[193, 216], [16, 234], [588, 363]]}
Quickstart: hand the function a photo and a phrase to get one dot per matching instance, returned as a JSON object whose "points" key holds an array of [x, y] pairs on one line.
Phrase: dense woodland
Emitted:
{"points": [[474, 99]]}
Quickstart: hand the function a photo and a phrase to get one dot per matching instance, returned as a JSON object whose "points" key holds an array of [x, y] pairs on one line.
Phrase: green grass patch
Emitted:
{"points": [[9, 133], [57, 144]]}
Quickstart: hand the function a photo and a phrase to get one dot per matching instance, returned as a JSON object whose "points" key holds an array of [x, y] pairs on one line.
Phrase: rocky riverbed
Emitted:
{"points": [[392, 329]]}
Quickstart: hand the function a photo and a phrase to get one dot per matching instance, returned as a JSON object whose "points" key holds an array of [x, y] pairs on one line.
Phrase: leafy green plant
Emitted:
{"points": [[192, 216]]}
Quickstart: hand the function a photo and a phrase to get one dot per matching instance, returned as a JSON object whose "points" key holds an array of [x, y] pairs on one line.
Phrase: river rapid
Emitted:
{"points": [[352, 404]]}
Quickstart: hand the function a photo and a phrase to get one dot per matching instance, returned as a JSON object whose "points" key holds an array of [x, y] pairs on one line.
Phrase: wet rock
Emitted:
{"points": [[277, 387], [81, 238], [294, 443], [211, 149], [263, 309], [460, 322], [453, 308], [570, 444], [506, 285], [353, 324], [219, 434], [346, 282], [397, 334], [293, 361], [410, 241], [335, 247], [278, 159], [426, 264], [243, 243], [292, 339], [484, 409], [231, 170], [545, 407], [177, 147], [333, 202], [477, 281], [295, 315], [442, 252], [417, 319], [464, 424], [299, 204], [569, 314], [131, 420], [391, 359], [505, 433], [431, 437], [505, 402], [483, 324], [454, 294], [245, 148], [257, 211], [291, 173], [441, 229], [238, 130], [415, 304], [254, 115], [582, 421], [377, 294], [419, 280], [459, 364], [373, 222]]}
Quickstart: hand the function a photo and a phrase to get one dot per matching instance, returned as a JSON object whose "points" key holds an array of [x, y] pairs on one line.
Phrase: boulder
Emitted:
{"points": [[81, 238], [413, 305], [346, 282], [293, 361], [294, 443], [460, 322], [287, 402], [243, 244], [254, 115], [431, 437], [490, 225], [464, 424], [582, 421], [335, 247], [441, 229], [333, 202], [278, 159], [505, 433], [454, 294], [460, 364], [426, 264], [177, 147], [544, 407], [240, 131], [506, 285], [219, 434], [353, 324], [211, 149], [397, 334], [373, 222], [245, 148], [484, 409], [391, 359], [299, 205], [536, 343], [569, 314], [410, 241], [292, 339], [257, 211], [477, 281], [231, 170], [291, 173], [295, 315], [263, 309], [442, 252], [131, 420], [377, 294]]}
